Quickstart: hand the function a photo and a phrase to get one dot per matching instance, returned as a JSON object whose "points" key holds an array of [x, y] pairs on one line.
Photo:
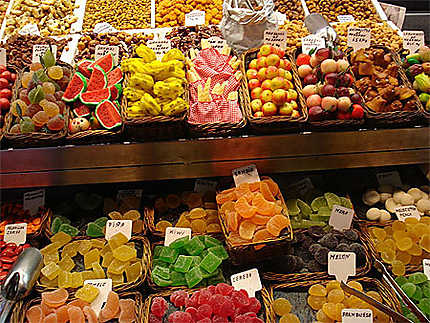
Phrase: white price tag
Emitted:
{"points": [[341, 217], [34, 200], [341, 265], [345, 18], [102, 50], [413, 40], [312, 42], [217, 42], [104, 286], [173, 233], [276, 38], [123, 194], [3, 56], [29, 29], [389, 178], [16, 233], [281, 17], [301, 187], [409, 211], [195, 18], [104, 27], [160, 47], [426, 267], [248, 280], [39, 51], [358, 38], [357, 315], [115, 226], [203, 186], [245, 174]]}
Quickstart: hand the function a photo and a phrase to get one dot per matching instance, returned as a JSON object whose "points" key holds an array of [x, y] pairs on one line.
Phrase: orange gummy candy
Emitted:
{"points": [[46, 309], [274, 188], [34, 314], [232, 219], [111, 307], [90, 315], [127, 314], [260, 219], [247, 229], [262, 235], [264, 207], [62, 314], [254, 186], [244, 209], [55, 298], [276, 224], [242, 189], [225, 197], [76, 315], [79, 303], [51, 318], [267, 193]]}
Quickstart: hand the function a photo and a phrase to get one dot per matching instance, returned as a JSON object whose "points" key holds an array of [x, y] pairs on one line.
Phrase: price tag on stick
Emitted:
{"points": [[341, 265], [312, 42], [39, 51], [276, 38], [102, 50], [413, 40], [115, 226], [195, 18], [357, 315], [174, 233], [248, 280], [160, 47], [246, 174], [2, 56], [16, 233], [409, 211], [104, 286], [358, 38], [341, 217], [34, 200]]}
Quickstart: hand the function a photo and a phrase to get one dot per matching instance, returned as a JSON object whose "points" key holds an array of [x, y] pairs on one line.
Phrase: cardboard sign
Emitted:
{"points": [[248, 280], [358, 38], [104, 286], [203, 186], [245, 174], [160, 47], [39, 51], [413, 40], [345, 18], [102, 50], [301, 187], [174, 233], [34, 200], [409, 211], [195, 18], [341, 217], [3, 56], [104, 27], [357, 315], [389, 178], [16, 233], [426, 267], [29, 29], [341, 265], [312, 42], [115, 226], [217, 42], [276, 38], [280, 17]]}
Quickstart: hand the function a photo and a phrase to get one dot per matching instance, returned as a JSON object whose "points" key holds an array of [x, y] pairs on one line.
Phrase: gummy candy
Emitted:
{"points": [[40, 118], [124, 253], [210, 263], [282, 306], [34, 314], [51, 257], [77, 279], [70, 249], [117, 240], [93, 230], [90, 315], [61, 238], [50, 271], [317, 290], [51, 108], [116, 279], [75, 315], [98, 270], [87, 293], [64, 279], [97, 243], [62, 314], [169, 255], [194, 247], [289, 318], [107, 259], [55, 298], [179, 243], [193, 277], [48, 88], [55, 72], [91, 257], [183, 263], [67, 228], [111, 307], [127, 312]]}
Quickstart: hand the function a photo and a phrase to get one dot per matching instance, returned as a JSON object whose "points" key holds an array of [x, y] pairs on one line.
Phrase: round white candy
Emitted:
{"points": [[373, 214], [391, 205], [385, 196], [371, 197], [384, 216], [407, 199]]}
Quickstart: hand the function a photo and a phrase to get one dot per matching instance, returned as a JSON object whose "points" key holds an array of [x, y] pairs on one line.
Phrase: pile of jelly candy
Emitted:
{"points": [[282, 307], [56, 308], [188, 262], [15, 213], [253, 213], [417, 287], [403, 243], [67, 264], [330, 300], [198, 212], [219, 304]]}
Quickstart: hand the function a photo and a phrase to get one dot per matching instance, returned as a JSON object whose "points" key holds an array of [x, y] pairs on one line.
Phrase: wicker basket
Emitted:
{"points": [[273, 124], [145, 251], [262, 296], [18, 315], [388, 296], [35, 139], [242, 253], [396, 118]]}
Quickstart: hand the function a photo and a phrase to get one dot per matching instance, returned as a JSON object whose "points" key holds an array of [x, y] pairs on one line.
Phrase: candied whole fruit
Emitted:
{"points": [[159, 306], [282, 306], [40, 118], [51, 108], [317, 290], [55, 72], [335, 296], [56, 123]]}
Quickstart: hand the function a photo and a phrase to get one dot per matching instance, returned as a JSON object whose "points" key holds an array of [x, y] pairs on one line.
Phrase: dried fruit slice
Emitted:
{"points": [[267, 193], [318, 203], [276, 224], [227, 206], [55, 298], [34, 314], [244, 209], [259, 219], [247, 229], [162, 226], [254, 186], [90, 315], [262, 235], [332, 199], [62, 314], [76, 315], [232, 219], [225, 197], [242, 189], [292, 206], [274, 188], [111, 307], [264, 207]]}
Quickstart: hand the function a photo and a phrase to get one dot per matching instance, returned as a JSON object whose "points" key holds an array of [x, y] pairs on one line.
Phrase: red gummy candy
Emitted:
{"points": [[216, 302], [224, 289], [254, 305], [212, 289], [194, 313], [219, 319], [227, 308], [193, 301], [205, 310], [154, 319], [159, 306], [204, 296], [178, 298], [239, 299], [180, 317], [205, 320]]}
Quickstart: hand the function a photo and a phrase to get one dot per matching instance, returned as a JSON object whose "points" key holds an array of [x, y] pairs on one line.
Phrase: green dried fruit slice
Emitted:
{"points": [[345, 202], [304, 208], [318, 203], [293, 209], [332, 199]]}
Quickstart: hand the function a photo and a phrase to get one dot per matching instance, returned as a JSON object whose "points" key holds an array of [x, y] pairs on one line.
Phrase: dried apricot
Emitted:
{"points": [[265, 190]]}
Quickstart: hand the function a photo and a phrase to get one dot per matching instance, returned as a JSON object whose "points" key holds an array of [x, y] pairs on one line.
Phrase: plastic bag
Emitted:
{"points": [[244, 22]]}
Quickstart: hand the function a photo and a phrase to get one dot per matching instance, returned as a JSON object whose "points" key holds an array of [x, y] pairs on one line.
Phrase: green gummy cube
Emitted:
{"points": [[101, 222], [69, 229], [204, 253], [178, 279], [183, 263], [160, 281], [216, 279], [64, 219], [207, 274], [55, 225], [179, 243], [211, 242], [161, 272], [400, 280], [219, 251], [161, 263], [196, 260], [169, 255], [94, 231], [157, 251], [210, 263], [194, 247], [193, 277]]}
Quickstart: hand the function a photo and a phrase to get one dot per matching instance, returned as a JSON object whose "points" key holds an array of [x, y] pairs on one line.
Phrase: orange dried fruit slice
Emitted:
{"points": [[274, 188], [173, 201], [244, 209], [242, 189], [247, 229], [278, 209], [62, 314], [197, 213], [198, 226], [230, 190], [260, 219], [90, 315], [232, 219], [51, 318], [194, 200], [276, 224], [267, 193], [76, 315], [227, 206], [46, 309], [225, 197], [183, 222], [254, 186], [263, 207], [262, 235], [111, 306], [55, 298], [162, 225], [249, 196], [34, 314], [79, 303]]}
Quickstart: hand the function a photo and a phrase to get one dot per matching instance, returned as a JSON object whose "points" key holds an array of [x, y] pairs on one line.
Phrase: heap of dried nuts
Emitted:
{"points": [[381, 33], [291, 8], [172, 13], [121, 14], [330, 9], [185, 38], [295, 31], [19, 48], [53, 17]]}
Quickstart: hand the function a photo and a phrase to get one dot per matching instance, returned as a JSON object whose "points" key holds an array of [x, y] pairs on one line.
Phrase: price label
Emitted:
{"points": [[301, 187], [2, 56], [341, 265], [39, 51], [104, 27], [30, 29], [104, 286], [358, 38], [312, 42], [248, 280], [160, 47], [16, 233], [34, 200], [409, 211], [341, 217], [102, 50], [217, 42], [246, 174], [389, 178], [203, 186], [357, 315], [345, 18], [426, 267], [115, 226], [195, 18], [276, 38], [173, 233], [413, 40], [281, 17]]}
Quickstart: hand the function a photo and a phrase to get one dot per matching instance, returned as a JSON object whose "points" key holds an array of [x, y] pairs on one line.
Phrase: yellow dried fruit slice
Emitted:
{"points": [[198, 226], [162, 226], [197, 213]]}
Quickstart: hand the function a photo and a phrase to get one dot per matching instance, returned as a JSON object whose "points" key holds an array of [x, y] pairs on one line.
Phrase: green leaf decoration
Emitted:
{"points": [[48, 59], [36, 95], [42, 76], [18, 110]]}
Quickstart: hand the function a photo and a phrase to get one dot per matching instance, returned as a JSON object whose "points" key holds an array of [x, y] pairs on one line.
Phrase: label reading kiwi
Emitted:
{"points": [[174, 233]]}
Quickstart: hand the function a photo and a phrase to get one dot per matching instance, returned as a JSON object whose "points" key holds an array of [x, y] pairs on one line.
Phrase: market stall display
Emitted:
{"points": [[292, 9], [7, 81], [185, 38]]}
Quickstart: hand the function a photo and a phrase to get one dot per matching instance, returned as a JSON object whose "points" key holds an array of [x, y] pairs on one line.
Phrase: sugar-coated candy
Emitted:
{"points": [[51, 270], [159, 306], [90, 257], [117, 240], [124, 253], [210, 262], [193, 277], [169, 255], [77, 279], [87, 293], [93, 230], [194, 247]]}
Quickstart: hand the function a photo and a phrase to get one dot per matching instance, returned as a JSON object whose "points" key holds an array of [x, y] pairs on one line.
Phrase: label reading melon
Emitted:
{"points": [[160, 47], [29, 29], [248, 280], [115, 226], [245, 174], [341, 265], [16, 233], [40, 50], [358, 38], [312, 42], [34, 200], [413, 40], [174, 233], [357, 315], [104, 286], [276, 38], [195, 18], [102, 50]]}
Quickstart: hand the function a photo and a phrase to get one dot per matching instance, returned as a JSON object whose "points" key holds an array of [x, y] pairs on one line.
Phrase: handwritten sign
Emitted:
{"points": [[29, 29], [39, 51], [409, 211], [203, 186], [104, 286], [16, 233], [341, 265], [104, 27], [195, 18], [389, 178], [413, 40], [115, 226], [276, 38], [102, 50], [174, 233], [357, 315], [160, 47], [217, 42], [245, 174], [248, 280], [312, 42], [345, 18], [34, 200], [358, 38], [341, 217], [301, 187]]}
